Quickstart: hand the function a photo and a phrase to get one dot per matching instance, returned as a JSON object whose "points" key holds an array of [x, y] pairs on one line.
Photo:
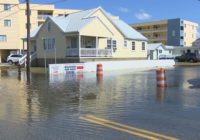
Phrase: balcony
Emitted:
{"points": [[43, 17], [157, 38], [89, 52], [153, 30]]}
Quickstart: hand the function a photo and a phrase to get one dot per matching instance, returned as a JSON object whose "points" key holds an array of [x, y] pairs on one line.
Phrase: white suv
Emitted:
{"points": [[13, 58]]}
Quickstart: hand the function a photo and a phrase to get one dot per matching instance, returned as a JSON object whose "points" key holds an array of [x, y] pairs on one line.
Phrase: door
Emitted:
{"points": [[151, 54]]}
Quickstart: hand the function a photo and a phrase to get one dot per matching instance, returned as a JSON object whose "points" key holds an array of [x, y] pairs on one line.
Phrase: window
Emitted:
{"points": [[125, 43], [114, 45], [3, 38], [109, 44], [143, 46], [173, 33], [133, 46], [182, 28], [160, 51], [170, 51], [49, 26], [7, 7], [7, 23], [182, 37], [49, 43]]}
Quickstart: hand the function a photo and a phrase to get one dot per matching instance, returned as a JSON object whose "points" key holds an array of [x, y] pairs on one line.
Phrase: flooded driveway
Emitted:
{"points": [[80, 107]]}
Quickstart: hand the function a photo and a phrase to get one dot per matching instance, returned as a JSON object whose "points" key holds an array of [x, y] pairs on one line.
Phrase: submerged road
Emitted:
{"points": [[124, 105]]}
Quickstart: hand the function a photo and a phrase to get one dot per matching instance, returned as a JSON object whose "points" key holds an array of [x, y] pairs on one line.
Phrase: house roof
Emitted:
{"points": [[74, 22], [128, 31], [154, 46], [35, 31], [168, 47]]}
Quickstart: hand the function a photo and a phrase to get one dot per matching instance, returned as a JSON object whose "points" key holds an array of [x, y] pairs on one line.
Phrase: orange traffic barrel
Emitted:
{"points": [[99, 70], [161, 78]]}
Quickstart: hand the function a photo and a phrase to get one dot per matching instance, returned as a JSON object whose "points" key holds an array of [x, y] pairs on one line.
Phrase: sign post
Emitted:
{"points": [[45, 47]]}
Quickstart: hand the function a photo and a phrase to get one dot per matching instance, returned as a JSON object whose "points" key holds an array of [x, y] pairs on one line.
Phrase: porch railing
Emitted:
{"points": [[89, 52]]}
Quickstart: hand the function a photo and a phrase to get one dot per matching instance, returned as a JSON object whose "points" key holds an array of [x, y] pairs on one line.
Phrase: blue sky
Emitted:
{"points": [[134, 11]]}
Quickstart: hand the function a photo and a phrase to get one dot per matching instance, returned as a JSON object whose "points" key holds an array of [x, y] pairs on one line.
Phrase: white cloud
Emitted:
{"points": [[142, 15], [124, 9]]}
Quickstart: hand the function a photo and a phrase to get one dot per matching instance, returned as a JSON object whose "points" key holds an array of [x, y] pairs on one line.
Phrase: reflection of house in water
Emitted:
{"points": [[16, 102]]}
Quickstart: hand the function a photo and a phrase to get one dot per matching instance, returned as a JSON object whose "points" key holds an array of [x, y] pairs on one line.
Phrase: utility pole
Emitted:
{"points": [[28, 39]]}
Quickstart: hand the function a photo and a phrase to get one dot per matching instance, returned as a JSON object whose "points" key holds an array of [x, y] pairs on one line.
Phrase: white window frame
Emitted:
{"points": [[7, 23], [114, 45], [7, 7], [3, 38], [49, 44], [109, 43], [125, 43], [143, 46], [133, 45]]}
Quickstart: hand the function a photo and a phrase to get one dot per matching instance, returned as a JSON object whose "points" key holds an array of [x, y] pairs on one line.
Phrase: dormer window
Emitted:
{"points": [[49, 26]]}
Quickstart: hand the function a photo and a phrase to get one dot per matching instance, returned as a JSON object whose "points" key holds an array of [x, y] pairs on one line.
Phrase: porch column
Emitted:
{"points": [[23, 46], [79, 43], [97, 46], [0, 56]]}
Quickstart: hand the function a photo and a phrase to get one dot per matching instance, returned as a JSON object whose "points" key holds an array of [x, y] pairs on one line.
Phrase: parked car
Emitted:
{"points": [[14, 58], [188, 57]]}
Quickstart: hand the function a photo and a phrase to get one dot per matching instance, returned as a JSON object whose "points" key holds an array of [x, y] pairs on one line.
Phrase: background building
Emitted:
{"points": [[13, 23], [174, 32]]}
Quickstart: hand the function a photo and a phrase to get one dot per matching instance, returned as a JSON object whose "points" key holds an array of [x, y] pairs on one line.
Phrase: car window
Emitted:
{"points": [[15, 55]]}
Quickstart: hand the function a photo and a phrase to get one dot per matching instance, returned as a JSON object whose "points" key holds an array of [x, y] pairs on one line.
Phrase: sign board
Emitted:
{"points": [[56, 69]]}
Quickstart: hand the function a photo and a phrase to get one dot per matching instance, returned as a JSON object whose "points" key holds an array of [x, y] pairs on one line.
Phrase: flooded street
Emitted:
{"points": [[51, 107]]}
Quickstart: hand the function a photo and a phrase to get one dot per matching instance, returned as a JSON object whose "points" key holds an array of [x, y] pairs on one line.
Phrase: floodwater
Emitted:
{"points": [[50, 107]]}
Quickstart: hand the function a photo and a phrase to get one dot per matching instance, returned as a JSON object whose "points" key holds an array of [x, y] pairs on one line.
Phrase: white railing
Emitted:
{"points": [[23, 59], [89, 52], [33, 56]]}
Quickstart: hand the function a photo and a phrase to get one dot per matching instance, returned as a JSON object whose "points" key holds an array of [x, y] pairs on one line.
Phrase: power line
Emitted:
{"points": [[12, 7]]}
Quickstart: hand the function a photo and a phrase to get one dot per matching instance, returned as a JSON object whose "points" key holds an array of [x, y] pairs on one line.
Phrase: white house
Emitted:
{"points": [[196, 43], [159, 51]]}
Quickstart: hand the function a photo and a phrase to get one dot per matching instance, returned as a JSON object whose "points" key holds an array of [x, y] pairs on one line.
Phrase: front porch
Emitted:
{"points": [[88, 47]]}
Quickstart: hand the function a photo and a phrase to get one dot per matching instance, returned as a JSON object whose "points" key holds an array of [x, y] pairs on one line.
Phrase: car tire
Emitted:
{"points": [[10, 62]]}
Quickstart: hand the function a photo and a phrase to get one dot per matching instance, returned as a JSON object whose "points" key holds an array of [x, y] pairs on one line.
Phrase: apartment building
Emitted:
{"points": [[173, 32], [13, 23]]}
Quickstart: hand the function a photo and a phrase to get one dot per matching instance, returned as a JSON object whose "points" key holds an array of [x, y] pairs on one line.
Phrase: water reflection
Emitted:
{"points": [[160, 94], [51, 105]]}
